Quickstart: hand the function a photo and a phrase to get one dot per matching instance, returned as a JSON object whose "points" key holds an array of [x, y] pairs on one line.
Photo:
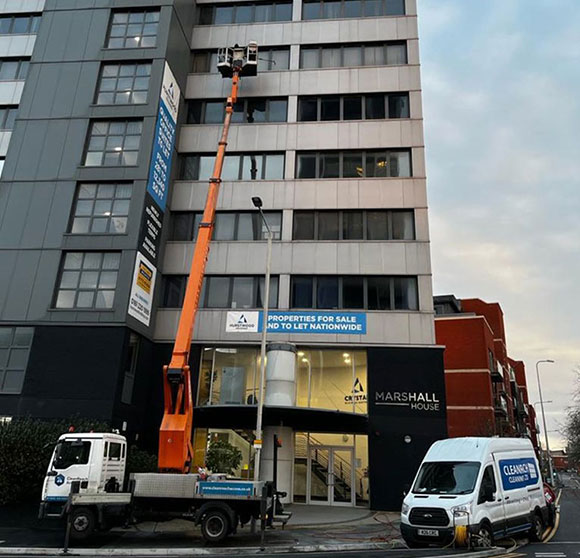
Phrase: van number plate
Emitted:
{"points": [[428, 532]]}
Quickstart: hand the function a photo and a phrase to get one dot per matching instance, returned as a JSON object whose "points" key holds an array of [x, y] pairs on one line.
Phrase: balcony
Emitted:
{"points": [[501, 408], [496, 375]]}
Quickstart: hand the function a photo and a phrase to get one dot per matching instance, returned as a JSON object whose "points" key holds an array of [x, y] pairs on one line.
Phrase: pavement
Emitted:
{"points": [[313, 529]]}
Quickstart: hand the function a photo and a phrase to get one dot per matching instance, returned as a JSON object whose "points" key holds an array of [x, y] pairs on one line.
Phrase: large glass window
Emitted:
{"points": [[354, 164], [354, 107], [123, 84], [101, 208], [379, 224], [14, 68], [224, 14], [330, 9], [15, 343], [88, 280], [133, 29], [113, 143], [221, 291], [237, 166], [228, 226], [19, 24], [245, 111], [352, 55], [354, 292], [270, 59]]}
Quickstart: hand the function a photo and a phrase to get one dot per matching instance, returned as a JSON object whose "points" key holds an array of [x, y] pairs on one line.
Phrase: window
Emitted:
{"points": [[354, 292], [269, 59], [2, 161], [247, 166], [221, 291], [113, 143], [135, 29], [224, 14], [123, 84], [488, 485], [354, 164], [15, 343], [361, 224], [446, 477], [327, 9], [71, 452], [372, 54], [101, 208], [88, 280], [245, 111], [20, 24], [354, 107], [7, 117], [228, 226], [14, 68]]}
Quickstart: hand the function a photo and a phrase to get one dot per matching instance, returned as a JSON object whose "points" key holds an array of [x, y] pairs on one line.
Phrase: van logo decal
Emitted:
{"points": [[428, 516], [517, 473], [59, 480]]}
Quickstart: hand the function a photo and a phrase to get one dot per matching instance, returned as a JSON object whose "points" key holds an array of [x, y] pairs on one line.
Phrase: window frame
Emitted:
{"points": [[343, 15], [22, 61], [341, 153], [10, 114], [391, 280], [127, 35], [105, 151], [365, 232], [6, 368], [204, 10], [31, 27], [134, 76], [92, 216], [342, 46], [364, 96], [195, 165], [202, 103]]}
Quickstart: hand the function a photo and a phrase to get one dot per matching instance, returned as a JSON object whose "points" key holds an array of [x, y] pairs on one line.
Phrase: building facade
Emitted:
{"points": [[487, 392], [95, 247]]}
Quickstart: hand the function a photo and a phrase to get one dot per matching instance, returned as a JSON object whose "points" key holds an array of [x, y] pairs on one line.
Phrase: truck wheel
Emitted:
{"points": [[83, 523], [537, 529], [215, 526]]}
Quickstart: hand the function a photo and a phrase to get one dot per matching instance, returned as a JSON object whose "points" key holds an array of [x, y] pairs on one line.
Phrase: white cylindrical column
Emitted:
{"points": [[280, 392]]}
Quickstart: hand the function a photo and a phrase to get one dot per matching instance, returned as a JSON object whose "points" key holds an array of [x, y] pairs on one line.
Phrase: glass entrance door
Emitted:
{"points": [[330, 476]]}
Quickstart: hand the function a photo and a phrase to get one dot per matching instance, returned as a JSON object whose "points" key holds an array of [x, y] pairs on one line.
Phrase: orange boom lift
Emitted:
{"points": [[175, 434]]}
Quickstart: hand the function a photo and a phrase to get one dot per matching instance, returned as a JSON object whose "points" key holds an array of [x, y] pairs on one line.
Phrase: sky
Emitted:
{"points": [[501, 103]]}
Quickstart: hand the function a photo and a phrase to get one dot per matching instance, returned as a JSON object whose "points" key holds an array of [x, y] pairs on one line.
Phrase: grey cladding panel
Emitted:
{"points": [[52, 151], [21, 285], [37, 215], [33, 134], [7, 262], [44, 284], [13, 220], [59, 214], [74, 144]]}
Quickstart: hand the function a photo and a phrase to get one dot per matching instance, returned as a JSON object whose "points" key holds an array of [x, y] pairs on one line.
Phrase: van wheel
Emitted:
{"points": [[537, 529], [215, 526], [484, 536], [83, 523]]}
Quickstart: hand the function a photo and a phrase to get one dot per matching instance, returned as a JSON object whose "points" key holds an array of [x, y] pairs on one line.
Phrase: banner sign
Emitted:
{"points": [[517, 473], [223, 488], [348, 323], [147, 258]]}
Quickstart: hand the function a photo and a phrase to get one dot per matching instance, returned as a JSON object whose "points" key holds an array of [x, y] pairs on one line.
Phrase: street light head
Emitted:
{"points": [[550, 360], [257, 201]]}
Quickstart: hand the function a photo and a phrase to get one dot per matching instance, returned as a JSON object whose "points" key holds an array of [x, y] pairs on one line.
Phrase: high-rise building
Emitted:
{"points": [[95, 245]]}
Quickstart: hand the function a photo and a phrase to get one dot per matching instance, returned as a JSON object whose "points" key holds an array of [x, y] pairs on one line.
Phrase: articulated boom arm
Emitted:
{"points": [[175, 446]]}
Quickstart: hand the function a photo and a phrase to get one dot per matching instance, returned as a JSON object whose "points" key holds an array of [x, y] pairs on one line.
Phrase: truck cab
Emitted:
{"points": [[96, 460]]}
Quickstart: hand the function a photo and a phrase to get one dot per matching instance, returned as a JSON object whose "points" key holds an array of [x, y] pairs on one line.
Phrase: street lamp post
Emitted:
{"points": [[257, 201], [550, 469]]}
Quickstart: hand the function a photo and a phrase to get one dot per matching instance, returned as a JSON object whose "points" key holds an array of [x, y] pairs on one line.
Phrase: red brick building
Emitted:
{"points": [[560, 460], [487, 393]]}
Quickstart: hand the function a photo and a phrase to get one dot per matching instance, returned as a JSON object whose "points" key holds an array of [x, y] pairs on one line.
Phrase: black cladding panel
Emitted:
{"points": [[407, 413]]}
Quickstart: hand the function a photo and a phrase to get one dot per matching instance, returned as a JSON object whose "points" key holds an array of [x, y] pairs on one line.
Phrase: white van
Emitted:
{"points": [[492, 485]]}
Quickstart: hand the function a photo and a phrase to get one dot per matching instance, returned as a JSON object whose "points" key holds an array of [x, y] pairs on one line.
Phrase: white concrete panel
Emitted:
{"points": [[4, 141], [421, 224], [415, 105], [418, 161], [411, 7], [425, 293], [11, 92], [21, 6], [17, 45]]}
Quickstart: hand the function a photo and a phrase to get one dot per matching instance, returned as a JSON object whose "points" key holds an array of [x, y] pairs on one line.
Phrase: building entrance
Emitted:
{"points": [[330, 476]]}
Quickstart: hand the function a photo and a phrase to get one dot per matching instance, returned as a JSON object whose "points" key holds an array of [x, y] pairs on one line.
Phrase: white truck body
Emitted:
{"points": [[492, 485]]}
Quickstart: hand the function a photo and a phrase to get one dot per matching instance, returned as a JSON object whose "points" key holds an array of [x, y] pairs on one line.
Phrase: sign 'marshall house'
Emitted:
{"points": [[420, 401]]}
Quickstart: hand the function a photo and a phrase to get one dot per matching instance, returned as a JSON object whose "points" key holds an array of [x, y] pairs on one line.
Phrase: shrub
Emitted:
{"points": [[223, 457]]}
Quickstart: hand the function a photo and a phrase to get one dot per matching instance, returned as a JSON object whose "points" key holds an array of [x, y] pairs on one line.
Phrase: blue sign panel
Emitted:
{"points": [[517, 473], [159, 171], [346, 323], [221, 488]]}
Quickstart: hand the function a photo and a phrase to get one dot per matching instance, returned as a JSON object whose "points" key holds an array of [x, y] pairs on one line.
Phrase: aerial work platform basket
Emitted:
{"points": [[244, 58]]}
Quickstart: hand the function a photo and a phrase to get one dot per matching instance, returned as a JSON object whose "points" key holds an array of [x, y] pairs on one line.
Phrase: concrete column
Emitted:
{"points": [[280, 392]]}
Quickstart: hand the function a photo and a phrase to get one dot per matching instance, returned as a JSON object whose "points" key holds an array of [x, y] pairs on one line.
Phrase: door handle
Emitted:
{"points": [[507, 497]]}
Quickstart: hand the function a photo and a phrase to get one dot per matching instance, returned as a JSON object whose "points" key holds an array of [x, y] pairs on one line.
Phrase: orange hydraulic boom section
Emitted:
{"points": [[175, 446]]}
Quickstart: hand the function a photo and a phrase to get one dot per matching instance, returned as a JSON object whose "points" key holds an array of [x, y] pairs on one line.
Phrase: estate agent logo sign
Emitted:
{"points": [[346, 323]]}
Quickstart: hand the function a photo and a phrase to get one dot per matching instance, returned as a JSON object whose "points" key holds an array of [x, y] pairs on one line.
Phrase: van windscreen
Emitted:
{"points": [[447, 477]]}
